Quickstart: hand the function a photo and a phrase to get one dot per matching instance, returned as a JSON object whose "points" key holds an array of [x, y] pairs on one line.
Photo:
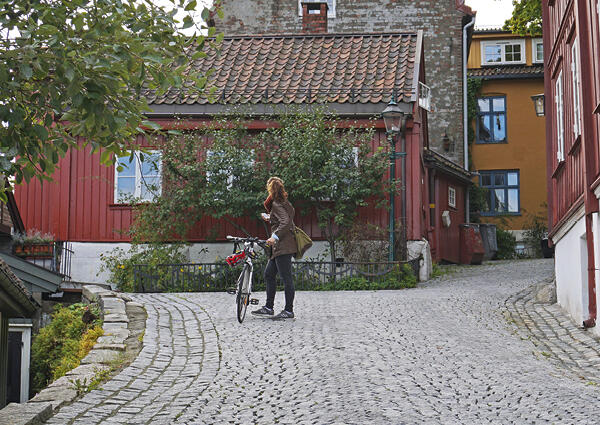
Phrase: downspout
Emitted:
{"points": [[465, 55]]}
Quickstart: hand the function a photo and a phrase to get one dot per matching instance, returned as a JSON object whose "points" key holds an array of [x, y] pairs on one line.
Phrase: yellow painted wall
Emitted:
{"points": [[474, 60], [525, 149]]}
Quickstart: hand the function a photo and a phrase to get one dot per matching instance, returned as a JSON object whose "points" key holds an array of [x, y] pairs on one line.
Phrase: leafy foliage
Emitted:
{"points": [[526, 18], [536, 229], [328, 170], [119, 263], [506, 244], [73, 71], [221, 171], [60, 346]]}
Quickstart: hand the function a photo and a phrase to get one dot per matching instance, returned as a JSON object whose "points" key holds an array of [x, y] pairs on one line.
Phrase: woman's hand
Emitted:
{"points": [[271, 241]]}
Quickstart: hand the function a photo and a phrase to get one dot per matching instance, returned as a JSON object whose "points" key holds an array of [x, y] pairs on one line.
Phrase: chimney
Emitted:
{"points": [[314, 17]]}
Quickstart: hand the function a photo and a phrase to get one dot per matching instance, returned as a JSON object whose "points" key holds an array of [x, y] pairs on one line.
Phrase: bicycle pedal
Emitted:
{"points": [[231, 291], [254, 301]]}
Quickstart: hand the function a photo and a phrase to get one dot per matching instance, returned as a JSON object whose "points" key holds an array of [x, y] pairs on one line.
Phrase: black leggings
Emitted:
{"points": [[281, 264]]}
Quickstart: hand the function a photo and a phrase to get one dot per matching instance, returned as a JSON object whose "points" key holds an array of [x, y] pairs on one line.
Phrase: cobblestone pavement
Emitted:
{"points": [[441, 353]]}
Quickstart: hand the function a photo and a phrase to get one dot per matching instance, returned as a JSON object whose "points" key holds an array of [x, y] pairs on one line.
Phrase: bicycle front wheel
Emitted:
{"points": [[243, 294]]}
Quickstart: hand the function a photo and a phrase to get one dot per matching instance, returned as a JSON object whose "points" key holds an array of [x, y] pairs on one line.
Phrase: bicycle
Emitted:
{"points": [[243, 287]]}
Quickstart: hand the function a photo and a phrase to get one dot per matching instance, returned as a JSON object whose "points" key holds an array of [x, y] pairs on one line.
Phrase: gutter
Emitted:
{"points": [[465, 117]]}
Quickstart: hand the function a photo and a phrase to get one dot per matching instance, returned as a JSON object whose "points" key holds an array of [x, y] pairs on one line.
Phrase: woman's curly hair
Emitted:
{"points": [[276, 189]]}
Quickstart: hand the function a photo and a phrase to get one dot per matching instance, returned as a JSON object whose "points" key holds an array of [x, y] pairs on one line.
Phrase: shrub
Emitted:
{"points": [[60, 346], [119, 263], [506, 244], [535, 230]]}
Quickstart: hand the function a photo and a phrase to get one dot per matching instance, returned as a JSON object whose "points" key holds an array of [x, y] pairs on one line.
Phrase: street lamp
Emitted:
{"points": [[538, 103], [394, 119]]}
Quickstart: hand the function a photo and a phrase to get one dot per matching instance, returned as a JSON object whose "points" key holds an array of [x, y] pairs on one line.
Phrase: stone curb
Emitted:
{"points": [[107, 349], [539, 319]]}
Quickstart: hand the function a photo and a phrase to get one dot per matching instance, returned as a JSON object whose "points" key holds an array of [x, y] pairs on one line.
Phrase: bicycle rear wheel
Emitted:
{"points": [[243, 295]]}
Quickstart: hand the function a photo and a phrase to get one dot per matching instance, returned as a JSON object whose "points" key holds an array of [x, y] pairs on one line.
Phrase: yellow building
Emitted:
{"points": [[509, 150]]}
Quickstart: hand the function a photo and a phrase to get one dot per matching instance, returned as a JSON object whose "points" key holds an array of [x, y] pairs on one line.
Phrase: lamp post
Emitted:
{"points": [[394, 119], [539, 104]]}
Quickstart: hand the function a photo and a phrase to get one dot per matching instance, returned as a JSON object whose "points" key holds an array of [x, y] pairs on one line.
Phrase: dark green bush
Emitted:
{"points": [[506, 244]]}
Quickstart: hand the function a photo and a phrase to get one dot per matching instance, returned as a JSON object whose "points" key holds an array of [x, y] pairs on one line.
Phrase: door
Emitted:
{"points": [[15, 345]]}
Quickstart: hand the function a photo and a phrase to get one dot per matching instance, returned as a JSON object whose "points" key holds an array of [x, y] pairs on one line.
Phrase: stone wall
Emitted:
{"points": [[441, 24]]}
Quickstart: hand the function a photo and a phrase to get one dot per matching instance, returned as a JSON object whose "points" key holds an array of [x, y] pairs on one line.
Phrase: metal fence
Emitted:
{"points": [[308, 275]]}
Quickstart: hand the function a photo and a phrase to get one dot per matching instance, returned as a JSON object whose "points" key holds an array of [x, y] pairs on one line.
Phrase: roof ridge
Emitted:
{"points": [[322, 35]]}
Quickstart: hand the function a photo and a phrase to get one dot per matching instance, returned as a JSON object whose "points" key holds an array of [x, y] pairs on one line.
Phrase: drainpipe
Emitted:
{"points": [[465, 55]]}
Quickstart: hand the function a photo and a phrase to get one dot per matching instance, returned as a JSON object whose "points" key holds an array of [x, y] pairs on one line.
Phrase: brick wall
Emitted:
{"points": [[439, 20]]}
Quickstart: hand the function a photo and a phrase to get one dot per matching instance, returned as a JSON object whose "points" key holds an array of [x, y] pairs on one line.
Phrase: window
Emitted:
{"points": [[139, 177], [560, 119], [227, 164], [491, 119], [330, 7], [502, 52], [451, 197], [537, 50], [575, 79], [502, 192]]}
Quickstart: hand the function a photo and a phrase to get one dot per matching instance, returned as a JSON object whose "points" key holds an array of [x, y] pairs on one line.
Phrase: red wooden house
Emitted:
{"points": [[572, 98], [355, 75]]}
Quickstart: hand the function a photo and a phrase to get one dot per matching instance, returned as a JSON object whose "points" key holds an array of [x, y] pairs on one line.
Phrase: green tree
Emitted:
{"points": [[328, 170], [74, 70], [221, 171], [526, 18]]}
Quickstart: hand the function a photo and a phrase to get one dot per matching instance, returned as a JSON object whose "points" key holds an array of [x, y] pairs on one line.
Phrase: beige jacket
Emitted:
{"points": [[282, 224]]}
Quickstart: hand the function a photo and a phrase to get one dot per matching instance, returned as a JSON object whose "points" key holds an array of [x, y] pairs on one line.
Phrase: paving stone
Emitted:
{"points": [[451, 351]]}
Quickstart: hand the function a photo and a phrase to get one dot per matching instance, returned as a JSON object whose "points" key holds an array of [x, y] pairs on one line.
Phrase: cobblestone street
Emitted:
{"points": [[441, 353]]}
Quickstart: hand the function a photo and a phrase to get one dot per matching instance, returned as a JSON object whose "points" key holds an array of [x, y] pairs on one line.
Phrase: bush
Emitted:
{"points": [[60, 346], [399, 277], [506, 244], [535, 230], [119, 263]]}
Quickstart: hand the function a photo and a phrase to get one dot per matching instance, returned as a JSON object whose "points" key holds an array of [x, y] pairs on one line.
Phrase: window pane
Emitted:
{"points": [[500, 205], [513, 200], [493, 53], [150, 187], [487, 207], [517, 52], [499, 128], [485, 133], [539, 52], [512, 52], [125, 187], [498, 104], [150, 164], [498, 179], [484, 105], [486, 179], [513, 179], [128, 167]]}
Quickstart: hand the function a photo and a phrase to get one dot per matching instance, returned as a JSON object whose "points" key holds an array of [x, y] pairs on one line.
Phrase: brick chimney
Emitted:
{"points": [[314, 17]]}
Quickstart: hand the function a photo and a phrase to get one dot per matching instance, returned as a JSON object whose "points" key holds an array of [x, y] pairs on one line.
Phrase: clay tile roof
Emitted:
{"points": [[342, 68], [507, 71]]}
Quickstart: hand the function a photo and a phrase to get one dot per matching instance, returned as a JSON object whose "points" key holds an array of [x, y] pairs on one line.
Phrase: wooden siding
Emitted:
{"points": [[572, 180], [79, 206]]}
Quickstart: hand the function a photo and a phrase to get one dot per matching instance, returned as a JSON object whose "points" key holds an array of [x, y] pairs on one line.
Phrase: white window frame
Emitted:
{"points": [[503, 44], [424, 96], [330, 10], [576, 82], [560, 118], [534, 43], [138, 176], [451, 197]]}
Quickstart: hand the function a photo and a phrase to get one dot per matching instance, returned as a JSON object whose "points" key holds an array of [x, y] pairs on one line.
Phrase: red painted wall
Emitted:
{"points": [[79, 206]]}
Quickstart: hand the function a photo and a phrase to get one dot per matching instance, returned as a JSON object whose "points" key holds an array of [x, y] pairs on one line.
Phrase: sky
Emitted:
{"points": [[491, 13]]}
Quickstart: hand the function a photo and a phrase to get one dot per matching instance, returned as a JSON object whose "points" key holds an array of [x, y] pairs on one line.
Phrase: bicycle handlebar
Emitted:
{"points": [[242, 240]]}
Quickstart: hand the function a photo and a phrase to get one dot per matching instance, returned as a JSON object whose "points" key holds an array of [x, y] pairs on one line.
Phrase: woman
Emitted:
{"points": [[283, 247]]}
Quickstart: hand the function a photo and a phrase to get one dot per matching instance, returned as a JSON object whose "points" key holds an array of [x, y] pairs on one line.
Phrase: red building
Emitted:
{"points": [[572, 100], [355, 75]]}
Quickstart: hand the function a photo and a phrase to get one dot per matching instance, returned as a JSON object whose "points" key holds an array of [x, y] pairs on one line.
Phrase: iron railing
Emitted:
{"points": [[308, 275], [59, 261]]}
